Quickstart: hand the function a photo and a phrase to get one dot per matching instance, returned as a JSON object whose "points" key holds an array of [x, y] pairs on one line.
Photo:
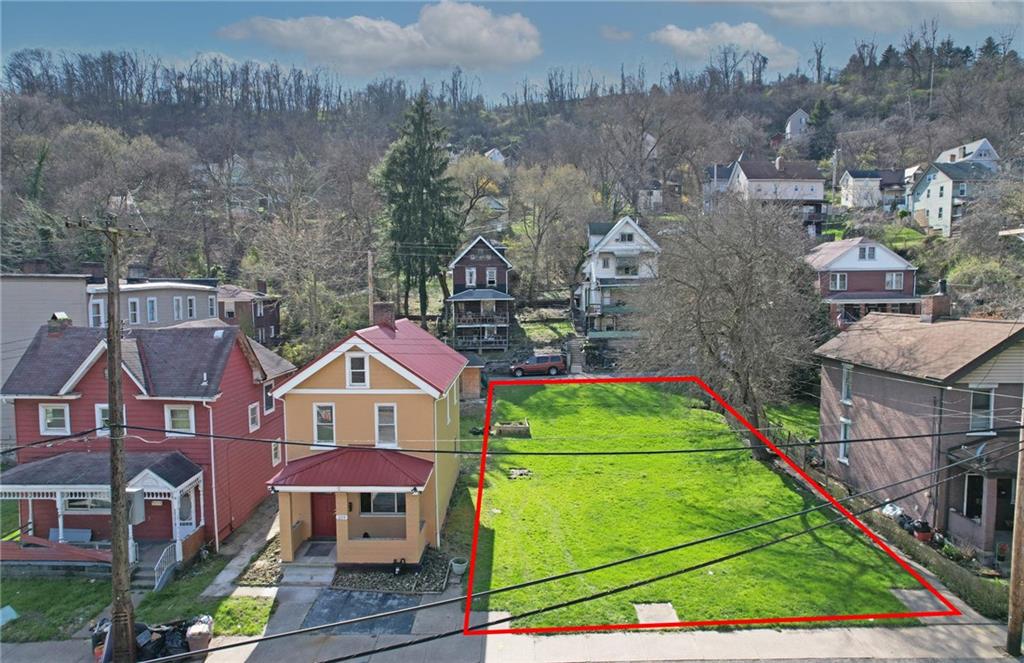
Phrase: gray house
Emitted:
{"points": [[895, 374], [153, 304]]}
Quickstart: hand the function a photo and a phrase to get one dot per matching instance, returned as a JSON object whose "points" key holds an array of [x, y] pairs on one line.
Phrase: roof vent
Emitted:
{"points": [[218, 333], [205, 381]]}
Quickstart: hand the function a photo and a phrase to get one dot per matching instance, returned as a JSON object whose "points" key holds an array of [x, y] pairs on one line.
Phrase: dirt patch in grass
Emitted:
{"points": [[264, 569], [431, 577]]}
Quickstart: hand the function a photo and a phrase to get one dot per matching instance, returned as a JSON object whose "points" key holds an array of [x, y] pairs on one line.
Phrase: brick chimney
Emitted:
{"points": [[937, 305], [58, 322], [384, 314], [95, 271], [35, 266], [779, 163]]}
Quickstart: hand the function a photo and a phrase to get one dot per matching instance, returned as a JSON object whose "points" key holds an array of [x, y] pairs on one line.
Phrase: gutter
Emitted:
{"points": [[213, 482]]}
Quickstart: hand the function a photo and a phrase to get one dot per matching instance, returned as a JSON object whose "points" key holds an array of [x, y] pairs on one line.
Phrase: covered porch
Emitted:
{"points": [[981, 505], [366, 506], [65, 501]]}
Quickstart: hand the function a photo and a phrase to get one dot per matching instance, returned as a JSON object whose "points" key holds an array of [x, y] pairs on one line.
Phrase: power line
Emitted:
{"points": [[577, 572], [664, 576], [49, 440]]}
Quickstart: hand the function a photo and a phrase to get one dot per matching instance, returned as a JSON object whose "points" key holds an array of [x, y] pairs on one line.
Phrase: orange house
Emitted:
{"points": [[377, 408]]}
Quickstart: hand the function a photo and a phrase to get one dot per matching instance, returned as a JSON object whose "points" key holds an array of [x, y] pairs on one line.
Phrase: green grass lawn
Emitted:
{"points": [[9, 518], [51, 608], [241, 615], [901, 237], [579, 511], [548, 331], [799, 418]]}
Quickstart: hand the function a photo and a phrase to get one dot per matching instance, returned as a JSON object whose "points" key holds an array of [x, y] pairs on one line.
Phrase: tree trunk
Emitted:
{"points": [[421, 278], [407, 285], [445, 294]]}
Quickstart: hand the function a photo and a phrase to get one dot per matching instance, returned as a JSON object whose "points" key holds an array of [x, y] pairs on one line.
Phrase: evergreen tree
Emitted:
{"points": [[421, 201], [824, 137]]}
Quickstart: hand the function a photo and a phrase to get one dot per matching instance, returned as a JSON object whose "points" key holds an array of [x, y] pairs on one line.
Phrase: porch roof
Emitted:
{"points": [[480, 294], [80, 468], [352, 467]]}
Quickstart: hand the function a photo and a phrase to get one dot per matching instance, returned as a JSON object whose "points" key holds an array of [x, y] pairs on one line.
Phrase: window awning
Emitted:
{"points": [[353, 469]]}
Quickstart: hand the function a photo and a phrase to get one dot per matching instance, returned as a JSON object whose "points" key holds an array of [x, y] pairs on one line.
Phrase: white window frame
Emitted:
{"points": [[470, 277], [101, 430], [261, 335], [268, 389], [101, 304], [317, 444], [254, 408], [133, 311], [191, 309], [891, 279], [382, 514], [491, 277], [44, 430], [963, 189], [87, 510], [846, 385], [177, 308], [982, 388], [258, 308], [348, 370], [172, 432], [866, 253], [843, 450], [211, 306], [275, 452], [605, 263], [834, 281], [155, 317], [376, 425]]}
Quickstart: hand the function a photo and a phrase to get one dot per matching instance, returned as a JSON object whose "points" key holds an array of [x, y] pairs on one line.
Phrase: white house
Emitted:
{"points": [[860, 188], [938, 197], [798, 183], [979, 151], [796, 124], [620, 257], [495, 155]]}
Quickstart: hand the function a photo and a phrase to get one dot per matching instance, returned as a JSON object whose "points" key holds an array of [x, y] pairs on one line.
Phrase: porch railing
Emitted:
{"points": [[163, 567], [477, 342], [497, 318]]}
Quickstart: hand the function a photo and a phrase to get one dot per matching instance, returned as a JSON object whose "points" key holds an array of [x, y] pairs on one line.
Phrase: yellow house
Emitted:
{"points": [[377, 408]]}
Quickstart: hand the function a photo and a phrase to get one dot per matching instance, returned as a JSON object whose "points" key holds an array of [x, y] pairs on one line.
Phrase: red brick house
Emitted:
{"points": [[892, 374], [481, 306], [859, 276], [188, 488]]}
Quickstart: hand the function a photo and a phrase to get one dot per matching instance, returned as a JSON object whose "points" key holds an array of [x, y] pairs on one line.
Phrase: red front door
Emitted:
{"points": [[323, 515]]}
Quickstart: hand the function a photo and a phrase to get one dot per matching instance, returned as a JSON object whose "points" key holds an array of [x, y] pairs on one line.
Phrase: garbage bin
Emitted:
{"points": [[200, 633]]}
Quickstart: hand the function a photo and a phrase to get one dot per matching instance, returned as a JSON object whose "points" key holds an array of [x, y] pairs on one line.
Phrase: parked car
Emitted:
{"points": [[539, 365]]}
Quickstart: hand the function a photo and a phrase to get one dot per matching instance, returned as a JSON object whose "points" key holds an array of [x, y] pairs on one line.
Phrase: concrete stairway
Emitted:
{"points": [[308, 574], [577, 359]]}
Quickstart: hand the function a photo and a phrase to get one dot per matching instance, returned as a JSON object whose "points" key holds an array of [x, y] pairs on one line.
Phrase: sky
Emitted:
{"points": [[497, 43]]}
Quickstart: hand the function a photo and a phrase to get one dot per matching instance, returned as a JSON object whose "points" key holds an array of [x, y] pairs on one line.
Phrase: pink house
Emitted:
{"points": [[187, 487]]}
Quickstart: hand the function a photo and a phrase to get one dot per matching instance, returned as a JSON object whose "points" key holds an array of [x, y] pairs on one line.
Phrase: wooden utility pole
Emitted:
{"points": [[369, 282], [1015, 626], [122, 617]]}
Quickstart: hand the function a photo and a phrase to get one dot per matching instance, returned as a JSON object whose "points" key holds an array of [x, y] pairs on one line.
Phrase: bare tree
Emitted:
{"points": [[733, 302], [819, 54]]}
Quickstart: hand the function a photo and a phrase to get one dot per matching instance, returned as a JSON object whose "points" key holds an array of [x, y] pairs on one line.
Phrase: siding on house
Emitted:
{"points": [[872, 281]]}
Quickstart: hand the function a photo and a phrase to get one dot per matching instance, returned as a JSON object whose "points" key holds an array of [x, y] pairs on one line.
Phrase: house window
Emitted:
{"points": [[382, 503], [940, 212], [974, 495], [605, 263], [177, 308], [133, 311], [275, 453], [323, 423], [846, 392], [103, 419], [211, 306], [151, 312], [261, 335], [837, 281], [843, 452], [97, 313], [626, 237], [54, 419], [492, 277], [272, 331], [268, 397], [928, 192], [86, 505], [387, 425], [471, 277], [259, 308], [254, 416], [356, 371], [982, 410], [866, 253], [191, 308], [894, 280], [180, 419], [963, 189]]}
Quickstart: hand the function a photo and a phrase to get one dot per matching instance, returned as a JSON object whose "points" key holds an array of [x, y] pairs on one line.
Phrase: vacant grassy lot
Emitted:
{"points": [[51, 608], [547, 331], [580, 511]]}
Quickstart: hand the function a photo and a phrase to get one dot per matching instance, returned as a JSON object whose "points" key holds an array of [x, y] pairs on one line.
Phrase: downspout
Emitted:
{"points": [[213, 482], [437, 486], [937, 462]]}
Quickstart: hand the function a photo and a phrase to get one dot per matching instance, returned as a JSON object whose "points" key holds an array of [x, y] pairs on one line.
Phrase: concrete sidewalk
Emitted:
{"points": [[243, 543]]}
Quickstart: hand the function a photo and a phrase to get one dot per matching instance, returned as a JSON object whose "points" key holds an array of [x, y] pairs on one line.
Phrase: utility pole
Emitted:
{"points": [[122, 616], [369, 282], [1015, 625]]}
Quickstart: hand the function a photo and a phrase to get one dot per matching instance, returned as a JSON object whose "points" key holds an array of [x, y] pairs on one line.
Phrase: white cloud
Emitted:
{"points": [[445, 34], [894, 16], [612, 33], [700, 42]]}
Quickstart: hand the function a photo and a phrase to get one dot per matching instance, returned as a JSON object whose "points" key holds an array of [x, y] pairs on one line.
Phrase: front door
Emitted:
{"points": [[322, 506]]}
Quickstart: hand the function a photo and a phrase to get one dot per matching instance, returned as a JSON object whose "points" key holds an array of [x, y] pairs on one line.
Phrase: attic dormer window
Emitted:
{"points": [[356, 371], [866, 253], [626, 237]]}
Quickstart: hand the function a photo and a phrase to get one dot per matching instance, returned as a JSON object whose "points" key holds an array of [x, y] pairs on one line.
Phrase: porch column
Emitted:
{"points": [[988, 514], [201, 518], [30, 523], [131, 543], [341, 524], [284, 521], [60, 516], [175, 514]]}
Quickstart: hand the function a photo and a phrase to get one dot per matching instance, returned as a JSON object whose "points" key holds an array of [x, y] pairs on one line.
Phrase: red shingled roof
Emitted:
{"points": [[358, 467], [417, 350]]}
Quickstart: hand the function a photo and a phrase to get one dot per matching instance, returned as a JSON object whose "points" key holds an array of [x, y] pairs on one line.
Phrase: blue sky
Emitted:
{"points": [[499, 43]]}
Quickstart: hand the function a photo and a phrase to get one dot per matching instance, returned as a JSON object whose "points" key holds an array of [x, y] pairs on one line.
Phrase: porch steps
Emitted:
{"points": [[308, 574], [576, 356], [144, 578]]}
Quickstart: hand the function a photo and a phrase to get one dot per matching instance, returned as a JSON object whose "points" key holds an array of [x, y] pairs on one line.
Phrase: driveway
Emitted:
{"points": [[333, 605]]}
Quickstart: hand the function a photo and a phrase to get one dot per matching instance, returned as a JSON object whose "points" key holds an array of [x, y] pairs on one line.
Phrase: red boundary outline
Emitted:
{"points": [[466, 630]]}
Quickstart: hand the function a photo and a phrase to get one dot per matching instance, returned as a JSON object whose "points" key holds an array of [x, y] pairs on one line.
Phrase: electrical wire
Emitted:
{"points": [[49, 440]]}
